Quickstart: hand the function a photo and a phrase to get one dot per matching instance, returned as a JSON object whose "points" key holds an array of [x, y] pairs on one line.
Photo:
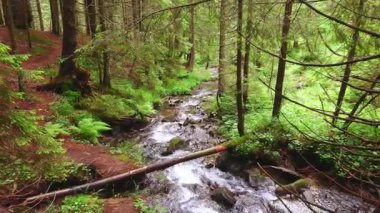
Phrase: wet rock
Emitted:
{"points": [[223, 196], [175, 144], [308, 196], [170, 118], [190, 121], [255, 179], [126, 124], [209, 166], [297, 187], [229, 163], [248, 204], [282, 175], [175, 102]]}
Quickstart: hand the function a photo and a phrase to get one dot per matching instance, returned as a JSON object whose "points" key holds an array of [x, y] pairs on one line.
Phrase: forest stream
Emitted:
{"points": [[188, 185]]}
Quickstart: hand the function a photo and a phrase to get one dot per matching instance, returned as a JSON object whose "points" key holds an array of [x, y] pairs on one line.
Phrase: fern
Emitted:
{"points": [[89, 129]]}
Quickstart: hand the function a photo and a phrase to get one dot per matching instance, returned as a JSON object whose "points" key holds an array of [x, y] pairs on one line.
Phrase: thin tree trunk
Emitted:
{"points": [[191, 55], [54, 11], [239, 88], [222, 47], [2, 21], [106, 79], [247, 53], [135, 173], [90, 13], [10, 25], [26, 18], [362, 98], [176, 29], [347, 70], [136, 17], [282, 63], [42, 28]]}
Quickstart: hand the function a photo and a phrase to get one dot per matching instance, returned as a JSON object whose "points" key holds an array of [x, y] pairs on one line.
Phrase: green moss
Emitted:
{"points": [[82, 203], [128, 151]]}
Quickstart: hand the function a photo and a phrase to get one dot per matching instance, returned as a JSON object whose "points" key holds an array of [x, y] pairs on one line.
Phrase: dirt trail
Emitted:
{"points": [[49, 52]]}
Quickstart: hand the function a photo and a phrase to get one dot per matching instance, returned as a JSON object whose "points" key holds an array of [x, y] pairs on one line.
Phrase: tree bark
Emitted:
{"points": [[176, 32], [160, 165], [90, 10], [191, 54], [2, 21], [68, 70], [350, 57], [105, 81], [249, 29], [54, 11], [136, 17], [26, 22], [10, 25], [282, 63], [222, 46], [239, 78], [39, 11], [18, 13]]}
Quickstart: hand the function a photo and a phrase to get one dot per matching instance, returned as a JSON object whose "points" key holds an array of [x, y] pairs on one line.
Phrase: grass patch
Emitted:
{"points": [[82, 203], [128, 151]]}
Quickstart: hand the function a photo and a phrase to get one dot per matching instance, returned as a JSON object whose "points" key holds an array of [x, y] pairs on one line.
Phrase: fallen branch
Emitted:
{"points": [[134, 173]]}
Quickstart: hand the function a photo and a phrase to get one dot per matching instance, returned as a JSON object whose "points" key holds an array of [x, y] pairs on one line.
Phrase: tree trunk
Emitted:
{"points": [[106, 78], [42, 28], [191, 55], [136, 18], [10, 25], [239, 88], [347, 70], [176, 32], [282, 63], [54, 11], [68, 70], [135, 173], [222, 46], [18, 13], [90, 13], [26, 18], [348, 122], [247, 53], [2, 21]]}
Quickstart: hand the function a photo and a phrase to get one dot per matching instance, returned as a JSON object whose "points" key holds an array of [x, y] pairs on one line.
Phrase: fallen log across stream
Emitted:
{"points": [[160, 165]]}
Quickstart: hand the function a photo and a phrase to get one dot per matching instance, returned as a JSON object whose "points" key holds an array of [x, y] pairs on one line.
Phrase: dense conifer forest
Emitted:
{"points": [[189, 106]]}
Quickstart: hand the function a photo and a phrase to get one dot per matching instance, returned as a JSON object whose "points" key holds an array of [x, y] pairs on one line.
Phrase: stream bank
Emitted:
{"points": [[194, 186]]}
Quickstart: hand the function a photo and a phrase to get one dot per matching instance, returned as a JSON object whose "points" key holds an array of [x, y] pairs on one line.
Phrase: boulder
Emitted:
{"points": [[229, 163], [255, 179], [190, 121], [175, 144], [223, 196]]}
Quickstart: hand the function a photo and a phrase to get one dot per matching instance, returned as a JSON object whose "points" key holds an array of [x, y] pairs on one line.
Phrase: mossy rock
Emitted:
{"points": [[254, 178], [223, 196], [296, 187], [175, 144]]}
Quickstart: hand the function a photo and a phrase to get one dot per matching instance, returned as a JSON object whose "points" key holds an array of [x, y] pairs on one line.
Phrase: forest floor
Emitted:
{"points": [[45, 53]]}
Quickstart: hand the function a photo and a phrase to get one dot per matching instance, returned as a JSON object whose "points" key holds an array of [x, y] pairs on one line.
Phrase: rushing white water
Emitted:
{"points": [[190, 183]]}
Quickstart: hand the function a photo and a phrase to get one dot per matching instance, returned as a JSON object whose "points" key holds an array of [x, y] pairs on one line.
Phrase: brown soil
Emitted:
{"points": [[120, 205], [97, 157]]}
